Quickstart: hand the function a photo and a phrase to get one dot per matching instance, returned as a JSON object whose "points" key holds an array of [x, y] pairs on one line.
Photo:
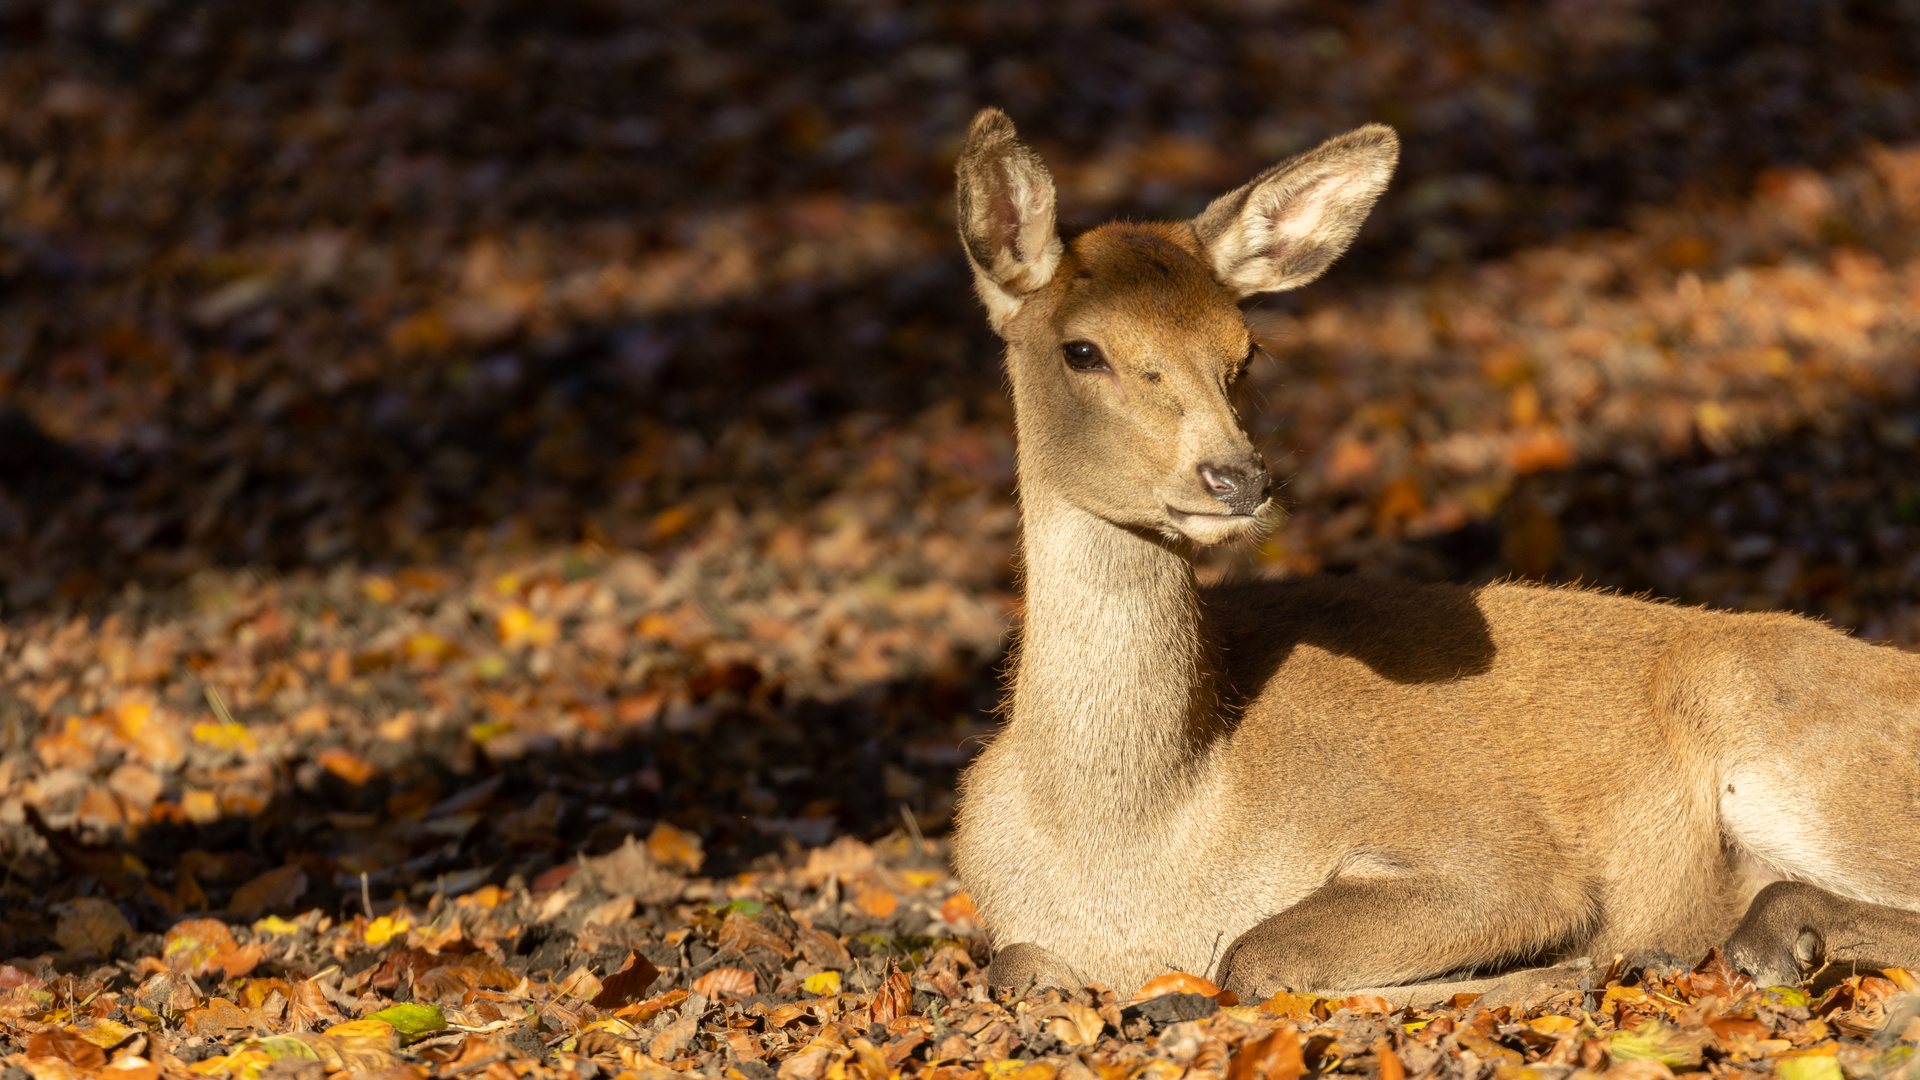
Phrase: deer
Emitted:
{"points": [[1341, 784]]}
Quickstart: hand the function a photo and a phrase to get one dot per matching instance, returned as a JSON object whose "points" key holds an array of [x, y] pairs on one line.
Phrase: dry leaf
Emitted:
{"points": [[92, 928], [1277, 1056], [629, 984], [729, 982], [65, 1045], [677, 850], [279, 889]]}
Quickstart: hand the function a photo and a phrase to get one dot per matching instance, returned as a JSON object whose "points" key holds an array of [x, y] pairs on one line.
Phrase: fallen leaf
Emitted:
{"points": [[731, 982], [1277, 1056], [67, 1045], [1175, 982], [627, 985], [348, 766], [675, 848], [92, 928], [413, 1022], [281, 887], [194, 945], [385, 929]]}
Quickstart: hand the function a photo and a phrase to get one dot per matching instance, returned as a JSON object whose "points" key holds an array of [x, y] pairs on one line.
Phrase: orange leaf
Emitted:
{"points": [[1276, 1057], [725, 982], [643, 1011], [1390, 1066], [958, 909], [676, 849], [1175, 982], [64, 1044], [875, 901], [1542, 448], [347, 765], [1296, 1006], [193, 945]]}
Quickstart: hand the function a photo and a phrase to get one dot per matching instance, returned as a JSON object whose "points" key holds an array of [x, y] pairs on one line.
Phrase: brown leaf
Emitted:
{"points": [[632, 870], [822, 949], [277, 889], [446, 984], [1714, 977], [893, 999], [729, 982], [92, 928], [65, 1044], [627, 985], [599, 1041], [673, 1038], [741, 933], [218, 1017]]}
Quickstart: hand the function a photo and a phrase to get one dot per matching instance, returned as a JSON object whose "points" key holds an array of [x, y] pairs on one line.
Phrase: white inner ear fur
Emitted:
{"points": [[1293, 222], [1026, 248]]}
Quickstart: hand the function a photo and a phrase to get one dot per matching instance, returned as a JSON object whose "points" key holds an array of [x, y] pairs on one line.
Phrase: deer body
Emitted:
{"points": [[1328, 783]]}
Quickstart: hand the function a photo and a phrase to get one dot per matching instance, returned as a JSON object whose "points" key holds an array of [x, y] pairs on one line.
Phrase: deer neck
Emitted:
{"points": [[1114, 703]]}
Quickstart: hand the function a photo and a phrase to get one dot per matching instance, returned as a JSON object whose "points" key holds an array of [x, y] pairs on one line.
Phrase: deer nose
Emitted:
{"points": [[1241, 489]]}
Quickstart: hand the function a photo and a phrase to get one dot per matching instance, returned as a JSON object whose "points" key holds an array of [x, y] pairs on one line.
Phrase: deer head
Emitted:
{"points": [[1124, 346]]}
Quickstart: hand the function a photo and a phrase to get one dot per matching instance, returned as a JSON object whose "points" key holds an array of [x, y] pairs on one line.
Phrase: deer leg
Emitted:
{"points": [[1026, 964], [1394, 931], [1793, 929]]}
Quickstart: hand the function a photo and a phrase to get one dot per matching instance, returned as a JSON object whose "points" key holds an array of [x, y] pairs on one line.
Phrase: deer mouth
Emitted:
{"points": [[1211, 527]]}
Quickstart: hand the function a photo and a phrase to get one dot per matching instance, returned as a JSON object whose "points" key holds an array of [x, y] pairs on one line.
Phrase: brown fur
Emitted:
{"points": [[1337, 783]]}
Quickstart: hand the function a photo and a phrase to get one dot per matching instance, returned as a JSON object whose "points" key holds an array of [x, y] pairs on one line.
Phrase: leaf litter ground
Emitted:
{"points": [[503, 508]]}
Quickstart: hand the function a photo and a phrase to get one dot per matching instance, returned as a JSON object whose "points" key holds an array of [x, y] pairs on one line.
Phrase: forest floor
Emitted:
{"points": [[507, 522]]}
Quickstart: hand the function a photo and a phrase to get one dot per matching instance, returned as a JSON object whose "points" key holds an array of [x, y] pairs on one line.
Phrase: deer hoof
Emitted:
{"points": [[1261, 963], [1026, 964], [1776, 943]]}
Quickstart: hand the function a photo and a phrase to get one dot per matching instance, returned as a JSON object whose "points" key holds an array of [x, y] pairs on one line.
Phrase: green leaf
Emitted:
{"points": [[1823, 1067], [1787, 996], [413, 1022]]}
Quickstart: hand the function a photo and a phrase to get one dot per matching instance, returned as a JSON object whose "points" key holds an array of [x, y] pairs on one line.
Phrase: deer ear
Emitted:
{"points": [[1005, 198], [1287, 225]]}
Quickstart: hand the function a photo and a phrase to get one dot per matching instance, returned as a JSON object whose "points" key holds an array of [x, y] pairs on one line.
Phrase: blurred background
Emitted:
{"points": [[587, 398]]}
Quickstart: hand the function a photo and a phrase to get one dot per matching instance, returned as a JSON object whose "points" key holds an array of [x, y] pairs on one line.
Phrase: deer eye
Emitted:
{"points": [[1083, 356]]}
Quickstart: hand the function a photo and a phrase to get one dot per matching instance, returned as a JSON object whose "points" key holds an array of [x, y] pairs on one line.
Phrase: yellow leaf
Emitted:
{"points": [[226, 737], [275, 925], [380, 590], [824, 984], [490, 729], [518, 626], [385, 929], [367, 1028], [105, 1033], [426, 646], [1553, 1024], [1820, 1067], [130, 718]]}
